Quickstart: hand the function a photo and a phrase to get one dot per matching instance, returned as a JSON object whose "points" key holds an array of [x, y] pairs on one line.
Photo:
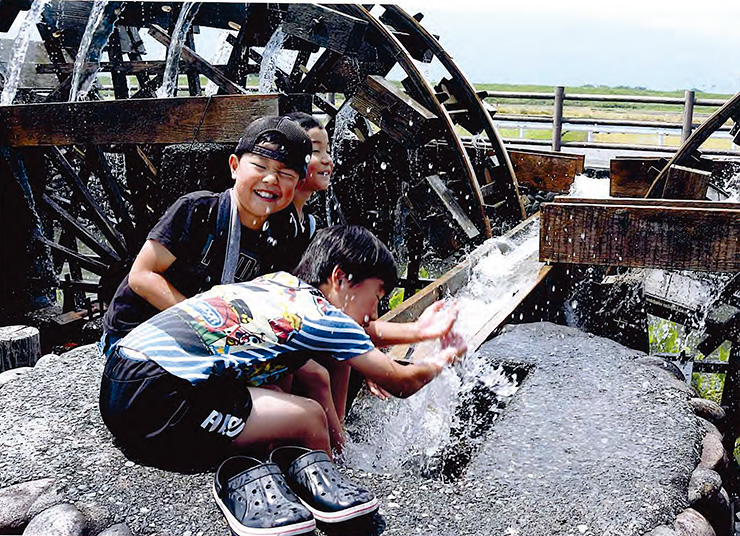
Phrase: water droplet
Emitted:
{"points": [[383, 165]]}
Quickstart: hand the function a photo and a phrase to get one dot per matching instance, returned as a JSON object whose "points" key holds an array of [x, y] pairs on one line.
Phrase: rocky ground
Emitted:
{"points": [[598, 441]]}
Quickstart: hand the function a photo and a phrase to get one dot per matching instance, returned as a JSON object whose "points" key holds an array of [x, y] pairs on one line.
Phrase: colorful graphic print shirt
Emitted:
{"points": [[256, 328]]}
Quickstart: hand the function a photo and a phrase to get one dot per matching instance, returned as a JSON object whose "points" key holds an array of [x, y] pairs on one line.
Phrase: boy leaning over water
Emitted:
{"points": [[196, 382]]}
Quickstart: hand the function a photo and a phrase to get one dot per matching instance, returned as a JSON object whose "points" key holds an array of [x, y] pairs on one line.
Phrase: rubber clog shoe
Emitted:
{"points": [[329, 496], [257, 501]]}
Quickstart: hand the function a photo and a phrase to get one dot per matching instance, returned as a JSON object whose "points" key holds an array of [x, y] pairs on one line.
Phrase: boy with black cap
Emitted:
{"points": [[206, 238]]}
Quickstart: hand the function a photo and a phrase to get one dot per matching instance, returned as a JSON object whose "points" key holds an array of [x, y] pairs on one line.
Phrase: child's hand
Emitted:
{"points": [[377, 390], [436, 321], [455, 341]]}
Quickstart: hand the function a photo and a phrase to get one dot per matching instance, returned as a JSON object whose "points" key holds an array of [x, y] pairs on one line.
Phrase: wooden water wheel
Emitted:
{"points": [[98, 174]]}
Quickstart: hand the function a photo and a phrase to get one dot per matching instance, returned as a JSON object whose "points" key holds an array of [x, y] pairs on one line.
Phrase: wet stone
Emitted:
{"points": [[592, 439], [713, 454], [704, 485], [662, 531], [708, 410]]}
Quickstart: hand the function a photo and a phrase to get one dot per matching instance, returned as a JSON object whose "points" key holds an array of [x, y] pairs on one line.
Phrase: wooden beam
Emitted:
{"points": [[205, 68], [640, 201], [394, 112], [219, 119], [546, 170], [631, 176], [324, 27], [686, 183], [640, 236]]}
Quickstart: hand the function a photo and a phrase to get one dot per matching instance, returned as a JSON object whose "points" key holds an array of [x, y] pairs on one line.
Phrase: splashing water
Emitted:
{"points": [[269, 64], [87, 61], [174, 51], [223, 50], [20, 48], [400, 435], [589, 187]]}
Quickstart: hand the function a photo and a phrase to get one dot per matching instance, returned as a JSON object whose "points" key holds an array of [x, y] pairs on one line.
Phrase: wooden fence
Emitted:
{"points": [[558, 120]]}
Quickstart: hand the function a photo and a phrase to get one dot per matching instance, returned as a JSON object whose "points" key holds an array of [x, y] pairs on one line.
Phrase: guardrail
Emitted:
{"points": [[558, 120]]}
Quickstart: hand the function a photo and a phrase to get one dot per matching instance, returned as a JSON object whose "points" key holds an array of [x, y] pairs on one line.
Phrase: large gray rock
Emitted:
{"points": [[59, 520], [692, 523], [593, 443], [16, 501]]}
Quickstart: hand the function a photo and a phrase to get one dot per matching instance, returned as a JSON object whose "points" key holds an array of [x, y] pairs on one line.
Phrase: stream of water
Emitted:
{"points": [[174, 51], [20, 49]]}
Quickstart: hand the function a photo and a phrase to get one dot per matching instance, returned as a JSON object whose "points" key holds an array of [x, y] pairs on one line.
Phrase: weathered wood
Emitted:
{"points": [[686, 183], [546, 170], [406, 33], [452, 206], [20, 346], [631, 176], [640, 201], [395, 113], [324, 27], [177, 120], [635, 236]]}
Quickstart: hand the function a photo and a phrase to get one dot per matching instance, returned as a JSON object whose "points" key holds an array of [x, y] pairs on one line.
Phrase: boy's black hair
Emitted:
{"points": [[292, 146], [304, 120], [357, 251]]}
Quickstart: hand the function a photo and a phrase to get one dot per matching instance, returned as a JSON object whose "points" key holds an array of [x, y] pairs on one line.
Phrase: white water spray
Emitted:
{"points": [[83, 75], [20, 49], [269, 64], [174, 51]]}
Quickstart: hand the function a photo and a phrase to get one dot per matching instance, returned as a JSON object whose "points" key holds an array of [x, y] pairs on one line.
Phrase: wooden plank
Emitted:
{"points": [[324, 27], [630, 176], [449, 202], [546, 170], [394, 112], [639, 236], [176, 120], [686, 183], [640, 201], [203, 66]]}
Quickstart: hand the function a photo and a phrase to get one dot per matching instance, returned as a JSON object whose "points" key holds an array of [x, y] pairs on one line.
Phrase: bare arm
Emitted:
{"points": [[404, 380], [146, 279], [435, 322]]}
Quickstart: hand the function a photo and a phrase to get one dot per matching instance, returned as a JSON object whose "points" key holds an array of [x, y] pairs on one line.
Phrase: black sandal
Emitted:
{"points": [[257, 501], [329, 496]]}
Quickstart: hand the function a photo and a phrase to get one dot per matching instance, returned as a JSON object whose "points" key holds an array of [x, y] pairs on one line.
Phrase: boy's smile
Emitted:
{"points": [[262, 186], [321, 165]]}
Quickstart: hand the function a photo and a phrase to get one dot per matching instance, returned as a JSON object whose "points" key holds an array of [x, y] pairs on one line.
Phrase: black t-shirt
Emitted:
{"points": [[195, 229], [287, 223]]}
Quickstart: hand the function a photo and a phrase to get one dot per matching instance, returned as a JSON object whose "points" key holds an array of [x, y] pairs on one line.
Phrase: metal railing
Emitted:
{"points": [[558, 120]]}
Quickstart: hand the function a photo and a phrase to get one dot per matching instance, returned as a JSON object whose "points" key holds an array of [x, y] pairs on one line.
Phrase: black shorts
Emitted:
{"points": [[165, 421]]}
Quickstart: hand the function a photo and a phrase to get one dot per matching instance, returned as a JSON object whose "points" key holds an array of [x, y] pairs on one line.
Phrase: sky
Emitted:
{"points": [[657, 44]]}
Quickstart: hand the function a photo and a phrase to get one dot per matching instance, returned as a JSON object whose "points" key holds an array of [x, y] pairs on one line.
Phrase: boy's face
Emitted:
{"points": [[360, 301], [262, 186], [321, 165]]}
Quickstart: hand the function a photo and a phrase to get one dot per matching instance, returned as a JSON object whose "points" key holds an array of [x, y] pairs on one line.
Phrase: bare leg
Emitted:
{"points": [[281, 417], [313, 381]]}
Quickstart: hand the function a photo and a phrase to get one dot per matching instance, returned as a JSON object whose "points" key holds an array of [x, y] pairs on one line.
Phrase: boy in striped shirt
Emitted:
{"points": [[198, 382]]}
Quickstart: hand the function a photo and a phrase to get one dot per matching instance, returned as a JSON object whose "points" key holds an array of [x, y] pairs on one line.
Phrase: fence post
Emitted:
{"points": [[688, 114], [557, 118]]}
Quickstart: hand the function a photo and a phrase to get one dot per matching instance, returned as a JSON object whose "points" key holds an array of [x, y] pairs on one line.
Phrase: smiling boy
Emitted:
{"points": [[205, 238]]}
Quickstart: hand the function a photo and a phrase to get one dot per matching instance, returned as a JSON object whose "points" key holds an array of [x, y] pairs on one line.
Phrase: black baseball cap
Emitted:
{"points": [[294, 145]]}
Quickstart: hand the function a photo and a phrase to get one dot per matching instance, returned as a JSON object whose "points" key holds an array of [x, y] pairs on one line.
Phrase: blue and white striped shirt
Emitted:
{"points": [[254, 327]]}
